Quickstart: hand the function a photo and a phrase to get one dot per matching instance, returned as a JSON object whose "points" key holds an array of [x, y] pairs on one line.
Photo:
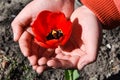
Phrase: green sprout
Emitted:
{"points": [[71, 74]]}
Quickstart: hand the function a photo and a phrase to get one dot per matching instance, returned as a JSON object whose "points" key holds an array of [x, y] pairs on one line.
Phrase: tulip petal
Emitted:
{"points": [[67, 30], [42, 44], [40, 27], [48, 21], [55, 19], [52, 43]]}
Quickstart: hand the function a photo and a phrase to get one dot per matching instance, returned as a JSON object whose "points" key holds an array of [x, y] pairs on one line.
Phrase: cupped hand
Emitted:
{"points": [[83, 45], [24, 35]]}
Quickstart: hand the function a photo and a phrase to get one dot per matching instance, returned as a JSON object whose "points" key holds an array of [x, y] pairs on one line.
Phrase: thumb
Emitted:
{"points": [[85, 60], [17, 31], [21, 22], [19, 25]]}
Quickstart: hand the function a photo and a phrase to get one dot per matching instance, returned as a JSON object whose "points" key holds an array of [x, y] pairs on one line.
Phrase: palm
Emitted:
{"points": [[70, 53], [22, 30], [82, 47]]}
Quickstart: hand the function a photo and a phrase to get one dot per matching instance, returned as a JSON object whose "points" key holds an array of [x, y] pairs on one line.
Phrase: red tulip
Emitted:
{"points": [[51, 29]]}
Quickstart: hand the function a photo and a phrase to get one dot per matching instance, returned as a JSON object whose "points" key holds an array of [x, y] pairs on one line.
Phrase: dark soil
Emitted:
{"points": [[14, 66]]}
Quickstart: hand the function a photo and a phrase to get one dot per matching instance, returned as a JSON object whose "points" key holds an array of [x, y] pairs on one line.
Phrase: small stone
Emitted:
{"points": [[4, 64], [111, 61], [1, 52], [93, 78], [109, 46]]}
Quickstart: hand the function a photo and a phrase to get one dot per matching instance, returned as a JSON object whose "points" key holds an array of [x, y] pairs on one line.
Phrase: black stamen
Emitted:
{"points": [[54, 34]]}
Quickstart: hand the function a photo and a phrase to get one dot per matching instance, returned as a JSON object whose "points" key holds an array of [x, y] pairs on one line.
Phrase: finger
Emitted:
{"points": [[42, 61], [82, 63], [21, 22], [62, 56], [56, 63], [70, 62], [36, 51], [29, 29], [85, 60], [40, 69], [34, 67], [33, 59], [75, 52], [17, 30], [36, 54], [58, 50], [25, 43]]}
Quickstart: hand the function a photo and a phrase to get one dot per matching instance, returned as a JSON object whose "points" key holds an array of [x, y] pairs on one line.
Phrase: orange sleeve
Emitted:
{"points": [[106, 10]]}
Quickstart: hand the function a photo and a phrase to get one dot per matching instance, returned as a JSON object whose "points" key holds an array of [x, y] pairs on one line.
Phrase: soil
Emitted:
{"points": [[14, 66]]}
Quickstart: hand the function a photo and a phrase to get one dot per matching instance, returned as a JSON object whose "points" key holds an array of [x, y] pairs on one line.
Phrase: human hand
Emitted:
{"points": [[83, 45], [24, 35]]}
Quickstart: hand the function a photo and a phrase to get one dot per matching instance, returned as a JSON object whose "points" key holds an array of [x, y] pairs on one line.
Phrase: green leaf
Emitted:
{"points": [[68, 75], [76, 75], [71, 74]]}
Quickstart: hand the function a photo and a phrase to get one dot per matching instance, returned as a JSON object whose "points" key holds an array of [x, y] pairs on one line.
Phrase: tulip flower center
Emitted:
{"points": [[54, 34]]}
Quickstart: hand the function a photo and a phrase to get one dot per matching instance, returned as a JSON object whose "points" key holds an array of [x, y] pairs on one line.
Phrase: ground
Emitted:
{"points": [[14, 66]]}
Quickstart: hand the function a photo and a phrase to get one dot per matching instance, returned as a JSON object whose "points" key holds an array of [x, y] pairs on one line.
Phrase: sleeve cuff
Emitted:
{"points": [[106, 11]]}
